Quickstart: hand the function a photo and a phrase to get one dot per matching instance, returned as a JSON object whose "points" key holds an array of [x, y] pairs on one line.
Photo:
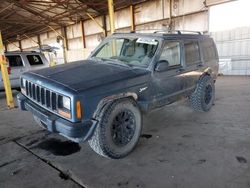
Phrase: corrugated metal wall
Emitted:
{"points": [[234, 51], [187, 15]]}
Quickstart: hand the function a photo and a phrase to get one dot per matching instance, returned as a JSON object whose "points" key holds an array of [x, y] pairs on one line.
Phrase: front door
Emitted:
{"points": [[169, 84]]}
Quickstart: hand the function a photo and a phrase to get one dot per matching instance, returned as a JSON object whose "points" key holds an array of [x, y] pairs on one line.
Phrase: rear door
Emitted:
{"points": [[210, 55], [193, 63]]}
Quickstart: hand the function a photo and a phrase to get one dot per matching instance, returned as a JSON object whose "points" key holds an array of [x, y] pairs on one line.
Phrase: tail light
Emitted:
{"points": [[9, 70]]}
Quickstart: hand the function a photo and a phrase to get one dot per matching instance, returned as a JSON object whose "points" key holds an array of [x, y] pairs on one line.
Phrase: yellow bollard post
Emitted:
{"points": [[5, 76], [52, 64]]}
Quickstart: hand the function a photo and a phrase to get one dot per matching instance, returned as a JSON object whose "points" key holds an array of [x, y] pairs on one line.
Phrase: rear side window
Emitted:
{"points": [[34, 60], [208, 50], [15, 61], [192, 54]]}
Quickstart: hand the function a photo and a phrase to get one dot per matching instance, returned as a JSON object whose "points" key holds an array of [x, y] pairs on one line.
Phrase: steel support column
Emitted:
{"points": [[111, 16], [105, 26], [65, 43], [6, 47], [20, 45], [39, 41], [83, 34], [132, 16], [5, 76]]}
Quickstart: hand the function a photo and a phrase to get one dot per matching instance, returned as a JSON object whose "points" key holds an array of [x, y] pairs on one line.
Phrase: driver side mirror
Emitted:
{"points": [[162, 65]]}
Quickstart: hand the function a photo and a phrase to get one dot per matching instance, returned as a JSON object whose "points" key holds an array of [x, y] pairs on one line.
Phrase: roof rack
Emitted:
{"points": [[145, 30], [165, 31], [140, 30], [178, 32], [168, 31]]}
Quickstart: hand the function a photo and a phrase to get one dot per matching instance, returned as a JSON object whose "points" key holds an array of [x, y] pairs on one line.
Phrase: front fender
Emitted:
{"points": [[112, 98]]}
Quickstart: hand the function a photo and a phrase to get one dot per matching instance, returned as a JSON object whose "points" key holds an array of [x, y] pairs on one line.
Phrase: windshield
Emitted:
{"points": [[128, 51]]}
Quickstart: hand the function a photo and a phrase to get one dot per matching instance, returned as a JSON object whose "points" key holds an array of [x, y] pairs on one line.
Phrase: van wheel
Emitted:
{"points": [[118, 130], [202, 98]]}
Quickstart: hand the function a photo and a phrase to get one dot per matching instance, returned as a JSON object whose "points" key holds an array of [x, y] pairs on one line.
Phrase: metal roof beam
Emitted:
{"points": [[20, 5], [5, 8], [18, 22]]}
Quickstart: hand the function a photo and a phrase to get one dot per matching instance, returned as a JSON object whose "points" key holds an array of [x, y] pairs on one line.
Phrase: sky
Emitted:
{"points": [[229, 15]]}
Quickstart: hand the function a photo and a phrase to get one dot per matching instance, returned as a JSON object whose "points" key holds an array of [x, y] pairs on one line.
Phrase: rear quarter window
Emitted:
{"points": [[34, 60], [192, 53], [208, 50], [15, 61]]}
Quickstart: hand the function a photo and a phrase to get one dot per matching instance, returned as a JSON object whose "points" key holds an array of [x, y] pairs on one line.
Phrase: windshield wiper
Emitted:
{"points": [[116, 62], [112, 61], [119, 62], [96, 58]]}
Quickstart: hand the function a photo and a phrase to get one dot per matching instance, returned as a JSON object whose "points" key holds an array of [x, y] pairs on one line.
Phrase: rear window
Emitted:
{"points": [[208, 50], [15, 61], [34, 60], [192, 54]]}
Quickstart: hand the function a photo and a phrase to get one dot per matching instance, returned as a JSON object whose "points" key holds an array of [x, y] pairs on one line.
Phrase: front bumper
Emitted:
{"points": [[77, 132]]}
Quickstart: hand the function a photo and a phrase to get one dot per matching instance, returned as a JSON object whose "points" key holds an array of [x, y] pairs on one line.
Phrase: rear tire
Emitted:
{"points": [[118, 130], [202, 98]]}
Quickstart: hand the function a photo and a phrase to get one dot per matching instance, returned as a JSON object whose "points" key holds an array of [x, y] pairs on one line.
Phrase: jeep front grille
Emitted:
{"points": [[42, 96]]}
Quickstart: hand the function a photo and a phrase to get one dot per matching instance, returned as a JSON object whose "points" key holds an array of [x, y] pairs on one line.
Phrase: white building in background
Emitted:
{"points": [[234, 50], [230, 27]]}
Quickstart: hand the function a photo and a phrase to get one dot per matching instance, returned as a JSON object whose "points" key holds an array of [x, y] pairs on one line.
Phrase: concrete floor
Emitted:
{"points": [[178, 148]]}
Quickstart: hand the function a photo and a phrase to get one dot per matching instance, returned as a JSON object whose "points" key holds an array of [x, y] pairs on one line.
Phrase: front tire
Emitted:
{"points": [[118, 130], [203, 97]]}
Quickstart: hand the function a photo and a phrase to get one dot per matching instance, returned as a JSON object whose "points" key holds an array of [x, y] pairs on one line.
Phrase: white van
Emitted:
{"points": [[20, 62]]}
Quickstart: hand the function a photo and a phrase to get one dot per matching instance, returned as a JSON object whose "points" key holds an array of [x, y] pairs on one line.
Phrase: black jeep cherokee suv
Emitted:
{"points": [[101, 99]]}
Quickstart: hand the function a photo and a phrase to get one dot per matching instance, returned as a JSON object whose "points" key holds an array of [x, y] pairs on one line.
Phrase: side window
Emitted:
{"points": [[34, 60], [208, 50], [15, 61], [192, 54], [171, 53]]}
